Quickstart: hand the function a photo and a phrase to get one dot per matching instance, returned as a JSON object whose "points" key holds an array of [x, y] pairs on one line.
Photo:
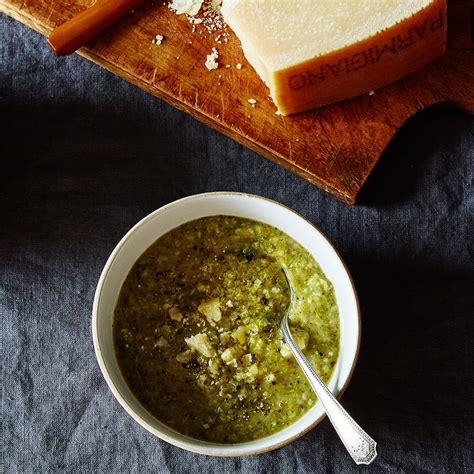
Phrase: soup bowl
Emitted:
{"points": [[168, 217]]}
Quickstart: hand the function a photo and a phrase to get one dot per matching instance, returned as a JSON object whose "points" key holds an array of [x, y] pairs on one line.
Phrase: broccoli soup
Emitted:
{"points": [[197, 329]]}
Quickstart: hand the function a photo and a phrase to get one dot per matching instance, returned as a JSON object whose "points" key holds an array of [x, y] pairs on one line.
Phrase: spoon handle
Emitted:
{"points": [[358, 443], [84, 27]]}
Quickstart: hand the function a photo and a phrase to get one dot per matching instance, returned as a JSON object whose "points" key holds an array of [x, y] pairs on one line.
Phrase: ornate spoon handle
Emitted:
{"points": [[358, 443]]}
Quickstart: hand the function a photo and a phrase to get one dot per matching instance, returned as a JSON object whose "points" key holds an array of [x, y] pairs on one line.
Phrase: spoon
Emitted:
{"points": [[84, 27], [358, 443]]}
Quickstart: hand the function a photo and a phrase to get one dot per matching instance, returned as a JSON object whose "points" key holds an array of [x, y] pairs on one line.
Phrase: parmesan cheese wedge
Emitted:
{"points": [[315, 52]]}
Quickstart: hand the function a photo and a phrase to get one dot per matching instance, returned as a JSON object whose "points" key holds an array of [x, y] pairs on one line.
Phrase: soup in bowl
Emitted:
{"points": [[186, 323]]}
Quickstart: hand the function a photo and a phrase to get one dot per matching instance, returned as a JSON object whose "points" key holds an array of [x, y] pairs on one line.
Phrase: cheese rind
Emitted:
{"points": [[374, 44]]}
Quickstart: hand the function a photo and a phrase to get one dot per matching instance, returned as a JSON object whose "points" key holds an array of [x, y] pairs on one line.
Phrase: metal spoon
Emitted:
{"points": [[358, 443]]}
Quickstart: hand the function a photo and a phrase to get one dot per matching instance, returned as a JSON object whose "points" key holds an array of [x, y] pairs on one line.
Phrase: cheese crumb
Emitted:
{"points": [[270, 378], [285, 350], [224, 338], [252, 101], [201, 344], [211, 60], [227, 356], [158, 39], [240, 334], [162, 342], [239, 66], [209, 12], [185, 356], [175, 314], [371, 92], [189, 7], [211, 309]]}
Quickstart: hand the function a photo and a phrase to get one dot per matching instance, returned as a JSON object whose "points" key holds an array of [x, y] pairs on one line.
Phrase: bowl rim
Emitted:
{"points": [[110, 381]]}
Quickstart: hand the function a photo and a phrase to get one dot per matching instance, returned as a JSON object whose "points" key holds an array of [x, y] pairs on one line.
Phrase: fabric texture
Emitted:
{"points": [[85, 155]]}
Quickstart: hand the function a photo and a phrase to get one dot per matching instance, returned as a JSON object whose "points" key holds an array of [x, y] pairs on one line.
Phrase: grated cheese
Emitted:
{"points": [[211, 60], [158, 39], [189, 7]]}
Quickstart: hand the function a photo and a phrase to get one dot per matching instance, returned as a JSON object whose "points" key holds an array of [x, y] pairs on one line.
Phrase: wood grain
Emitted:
{"points": [[334, 147]]}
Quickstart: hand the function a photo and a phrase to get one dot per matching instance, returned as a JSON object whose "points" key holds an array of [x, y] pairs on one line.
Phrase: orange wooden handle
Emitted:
{"points": [[75, 33]]}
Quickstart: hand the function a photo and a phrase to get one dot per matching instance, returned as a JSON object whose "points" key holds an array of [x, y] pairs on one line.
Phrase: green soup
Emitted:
{"points": [[197, 329]]}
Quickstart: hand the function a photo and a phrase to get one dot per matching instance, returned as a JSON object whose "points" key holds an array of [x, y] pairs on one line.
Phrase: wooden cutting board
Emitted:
{"points": [[334, 147]]}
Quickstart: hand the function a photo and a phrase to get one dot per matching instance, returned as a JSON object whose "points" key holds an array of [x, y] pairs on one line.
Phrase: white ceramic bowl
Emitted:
{"points": [[147, 231]]}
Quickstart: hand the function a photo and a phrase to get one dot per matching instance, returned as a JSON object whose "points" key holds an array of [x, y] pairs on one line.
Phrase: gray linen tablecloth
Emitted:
{"points": [[85, 155]]}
